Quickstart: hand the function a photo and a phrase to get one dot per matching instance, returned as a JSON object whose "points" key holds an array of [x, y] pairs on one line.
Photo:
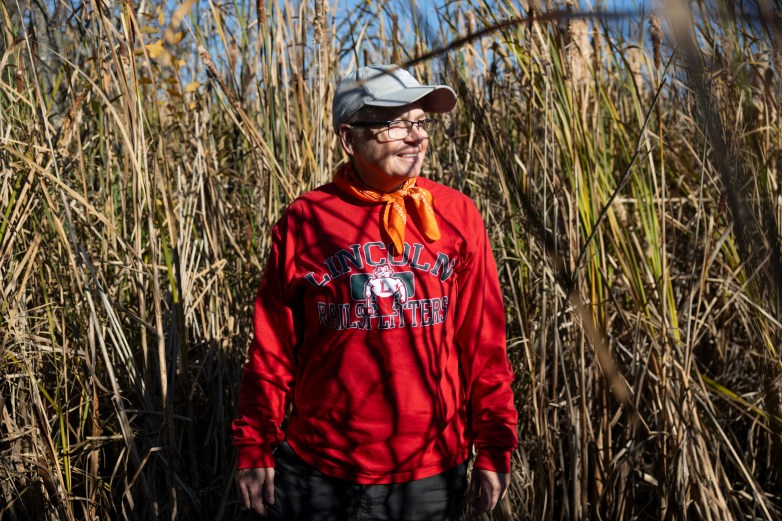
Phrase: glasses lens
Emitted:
{"points": [[429, 125], [400, 129]]}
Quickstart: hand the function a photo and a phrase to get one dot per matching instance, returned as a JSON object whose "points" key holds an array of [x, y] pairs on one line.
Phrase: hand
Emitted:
{"points": [[256, 488], [487, 489]]}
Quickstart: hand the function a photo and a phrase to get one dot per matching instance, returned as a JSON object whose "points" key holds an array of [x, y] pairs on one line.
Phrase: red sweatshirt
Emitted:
{"points": [[394, 363]]}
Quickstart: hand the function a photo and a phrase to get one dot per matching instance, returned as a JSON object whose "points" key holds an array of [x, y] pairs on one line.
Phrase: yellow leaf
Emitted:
{"points": [[149, 30], [192, 87], [155, 49], [176, 19], [161, 17], [174, 38], [192, 105], [143, 80], [165, 59]]}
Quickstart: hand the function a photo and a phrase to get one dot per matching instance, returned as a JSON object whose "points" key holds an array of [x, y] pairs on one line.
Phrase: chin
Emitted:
{"points": [[408, 174]]}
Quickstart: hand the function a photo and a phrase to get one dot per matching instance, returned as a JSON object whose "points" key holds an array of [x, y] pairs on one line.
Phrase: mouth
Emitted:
{"points": [[412, 155]]}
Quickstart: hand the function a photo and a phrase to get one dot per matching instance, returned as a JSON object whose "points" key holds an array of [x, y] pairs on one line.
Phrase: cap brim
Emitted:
{"points": [[435, 98]]}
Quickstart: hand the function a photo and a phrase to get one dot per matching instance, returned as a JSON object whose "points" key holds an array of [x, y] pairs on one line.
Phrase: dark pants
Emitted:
{"points": [[305, 494]]}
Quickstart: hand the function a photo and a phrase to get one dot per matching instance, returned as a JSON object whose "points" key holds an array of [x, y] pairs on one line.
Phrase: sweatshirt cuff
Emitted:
{"points": [[494, 460], [254, 457]]}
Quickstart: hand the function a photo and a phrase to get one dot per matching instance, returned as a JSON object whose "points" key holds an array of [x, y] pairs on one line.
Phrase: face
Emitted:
{"points": [[381, 163], [383, 270]]}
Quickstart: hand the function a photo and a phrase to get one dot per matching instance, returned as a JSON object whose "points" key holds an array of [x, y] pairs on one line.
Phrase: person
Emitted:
{"points": [[379, 333]]}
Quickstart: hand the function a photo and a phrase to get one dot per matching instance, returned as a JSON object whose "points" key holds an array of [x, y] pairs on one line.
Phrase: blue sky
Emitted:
{"points": [[429, 8], [429, 5], [624, 4], [364, 13]]}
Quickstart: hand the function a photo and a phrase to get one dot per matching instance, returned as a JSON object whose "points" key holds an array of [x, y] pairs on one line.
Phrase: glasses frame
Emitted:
{"points": [[430, 122]]}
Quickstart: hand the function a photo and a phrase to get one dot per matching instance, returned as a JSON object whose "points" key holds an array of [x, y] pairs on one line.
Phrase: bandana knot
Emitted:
{"points": [[394, 213]]}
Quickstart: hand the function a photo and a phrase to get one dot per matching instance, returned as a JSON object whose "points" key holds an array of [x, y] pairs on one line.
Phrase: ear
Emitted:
{"points": [[347, 139]]}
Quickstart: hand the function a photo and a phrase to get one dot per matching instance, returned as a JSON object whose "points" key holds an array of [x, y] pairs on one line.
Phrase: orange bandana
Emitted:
{"points": [[394, 214]]}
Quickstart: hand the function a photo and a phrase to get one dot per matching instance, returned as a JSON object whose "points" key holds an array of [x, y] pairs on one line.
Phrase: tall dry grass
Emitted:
{"points": [[627, 169]]}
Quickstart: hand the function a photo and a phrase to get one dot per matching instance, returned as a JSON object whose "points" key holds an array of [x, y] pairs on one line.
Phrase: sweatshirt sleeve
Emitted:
{"points": [[480, 335], [267, 377]]}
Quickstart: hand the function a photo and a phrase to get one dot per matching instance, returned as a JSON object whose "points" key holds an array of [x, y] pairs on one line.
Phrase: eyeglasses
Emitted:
{"points": [[400, 128]]}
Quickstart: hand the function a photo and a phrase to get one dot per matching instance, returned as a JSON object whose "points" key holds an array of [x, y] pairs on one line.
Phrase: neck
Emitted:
{"points": [[387, 188]]}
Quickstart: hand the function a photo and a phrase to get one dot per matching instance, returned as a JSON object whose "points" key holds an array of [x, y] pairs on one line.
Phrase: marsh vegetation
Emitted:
{"points": [[627, 167]]}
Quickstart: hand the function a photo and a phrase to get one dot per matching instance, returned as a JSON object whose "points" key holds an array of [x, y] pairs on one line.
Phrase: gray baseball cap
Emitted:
{"points": [[386, 86]]}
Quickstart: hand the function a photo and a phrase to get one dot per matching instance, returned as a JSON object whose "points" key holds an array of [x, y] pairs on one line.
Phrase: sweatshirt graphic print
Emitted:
{"points": [[382, 298], [392, 363]]}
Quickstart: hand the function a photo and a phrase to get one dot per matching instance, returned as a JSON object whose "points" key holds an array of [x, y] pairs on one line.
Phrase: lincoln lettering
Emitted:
{"points": [[358, 257]]}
